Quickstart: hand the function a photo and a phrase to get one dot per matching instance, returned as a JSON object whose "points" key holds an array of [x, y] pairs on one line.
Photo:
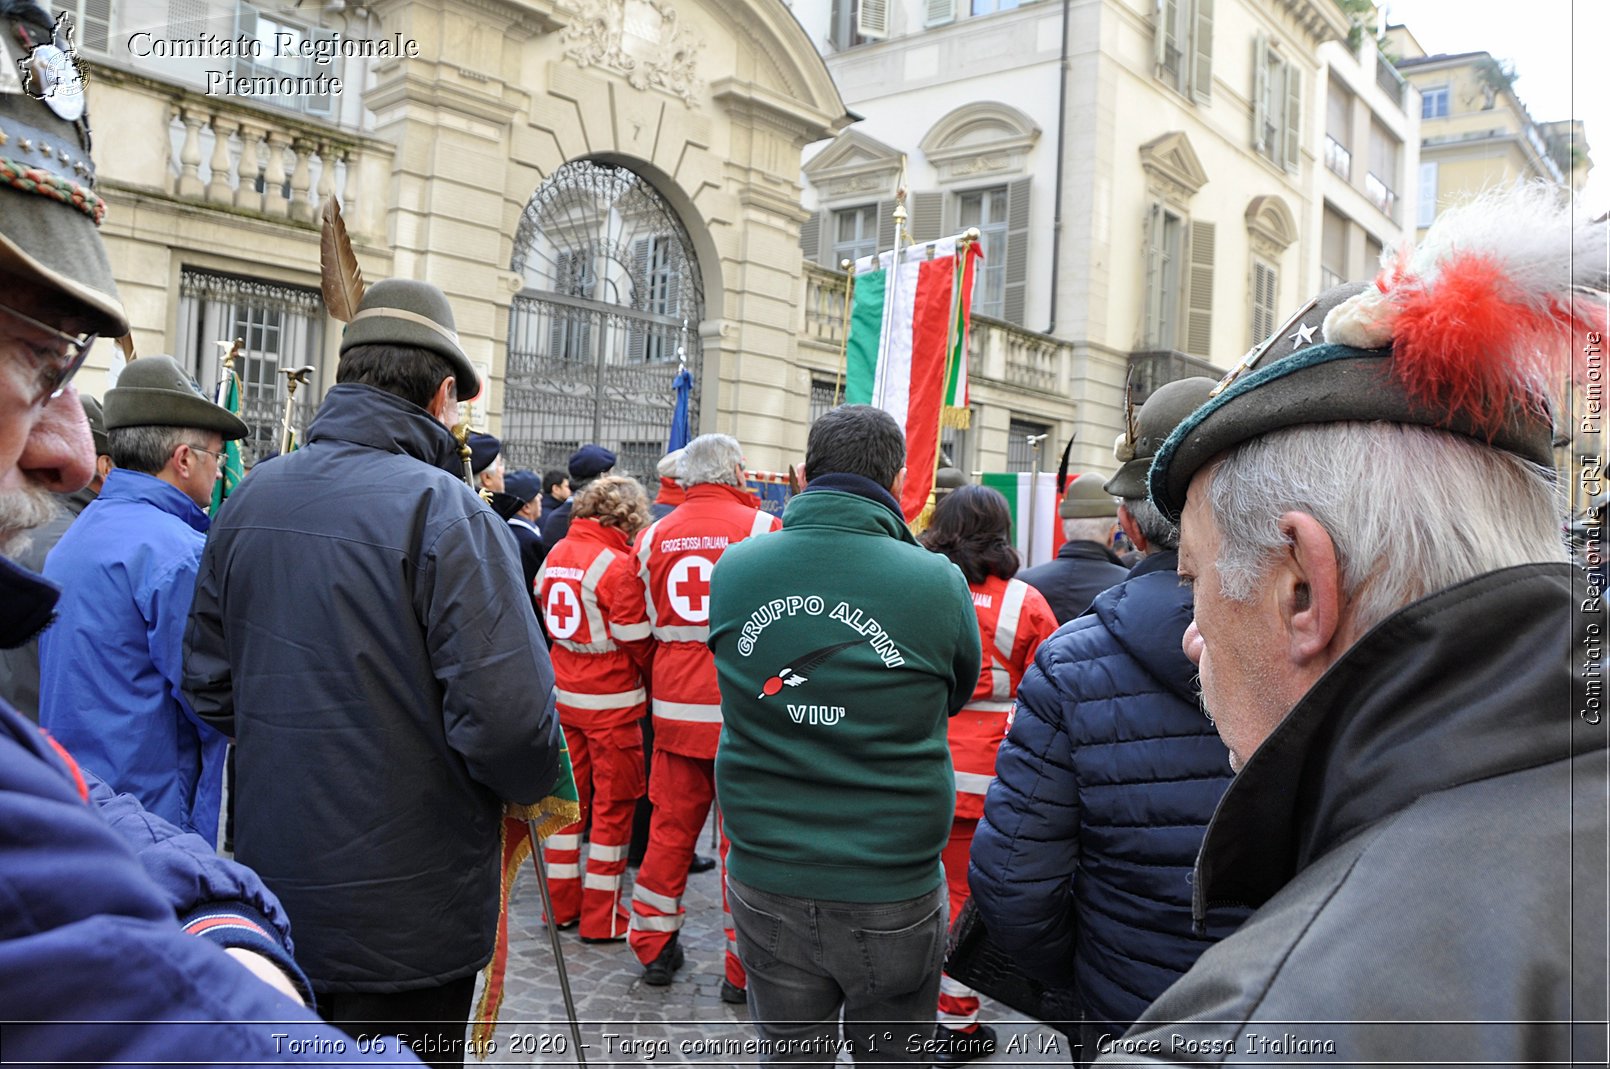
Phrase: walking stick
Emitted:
{"points": [[461, 431], [553, 940]]}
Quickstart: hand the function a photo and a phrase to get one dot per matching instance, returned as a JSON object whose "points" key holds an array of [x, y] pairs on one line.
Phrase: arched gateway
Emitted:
{"points": [[609, 309]]}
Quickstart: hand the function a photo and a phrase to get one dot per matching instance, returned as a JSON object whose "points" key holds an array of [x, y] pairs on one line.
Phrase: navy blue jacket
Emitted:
{"points": [[1104, 786], [113, 920], [1071, 580]]}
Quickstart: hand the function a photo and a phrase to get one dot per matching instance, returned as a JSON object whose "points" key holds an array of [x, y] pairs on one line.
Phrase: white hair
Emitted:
{"points": [[1154, 526], [711, 458], [1411, 510], [1087, 529]]}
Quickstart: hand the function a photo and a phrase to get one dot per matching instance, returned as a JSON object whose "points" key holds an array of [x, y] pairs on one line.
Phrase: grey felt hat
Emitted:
{"points": [[97, 422], [1087, 499], [49, 245], [1164, 409], [401, 311], [154, 391]]}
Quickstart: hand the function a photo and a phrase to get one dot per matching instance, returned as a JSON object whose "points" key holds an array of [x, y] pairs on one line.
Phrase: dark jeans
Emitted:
{"points": [[430, 1020], [808, 959]]}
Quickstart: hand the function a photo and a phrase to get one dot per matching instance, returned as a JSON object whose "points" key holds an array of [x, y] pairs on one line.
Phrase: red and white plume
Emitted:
{"points": [[1490, 308]]}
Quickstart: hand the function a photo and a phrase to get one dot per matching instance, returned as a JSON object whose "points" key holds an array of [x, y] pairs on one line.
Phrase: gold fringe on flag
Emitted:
{"points": [[956, 419]]}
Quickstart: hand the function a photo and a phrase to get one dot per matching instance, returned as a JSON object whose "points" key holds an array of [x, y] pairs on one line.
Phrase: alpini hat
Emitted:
{"points": [[400, 311], [1470, 333], [1087, 499], [49, 210], [1147, 429], [154, 391]]}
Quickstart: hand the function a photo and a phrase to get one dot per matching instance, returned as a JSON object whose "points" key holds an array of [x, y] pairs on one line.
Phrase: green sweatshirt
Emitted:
{"points": [[842, 648]]}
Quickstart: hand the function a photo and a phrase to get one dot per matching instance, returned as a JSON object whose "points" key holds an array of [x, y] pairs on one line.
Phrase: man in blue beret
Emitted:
{"points": [[586, 464]]}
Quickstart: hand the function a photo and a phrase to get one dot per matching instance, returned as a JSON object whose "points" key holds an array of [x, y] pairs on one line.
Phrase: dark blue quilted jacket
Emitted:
{"points": [[1082, 863]]}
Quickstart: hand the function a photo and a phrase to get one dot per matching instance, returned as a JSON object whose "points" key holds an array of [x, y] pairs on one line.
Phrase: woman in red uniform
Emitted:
{"points": [[973, 527], [601, 697]]}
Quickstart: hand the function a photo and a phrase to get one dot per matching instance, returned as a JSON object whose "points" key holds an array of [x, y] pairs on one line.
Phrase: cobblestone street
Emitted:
{"points": [[625, 1022]]}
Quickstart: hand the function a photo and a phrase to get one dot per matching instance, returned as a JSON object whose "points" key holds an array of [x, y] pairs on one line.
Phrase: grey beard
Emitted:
{"points": [[20, 512]]}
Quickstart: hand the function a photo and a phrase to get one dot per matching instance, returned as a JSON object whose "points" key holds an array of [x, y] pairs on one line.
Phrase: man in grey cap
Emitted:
{"points": [[19, 666], [1395, 650], [1105, 783], [127, 570], [1085, 565], [362, 630]]}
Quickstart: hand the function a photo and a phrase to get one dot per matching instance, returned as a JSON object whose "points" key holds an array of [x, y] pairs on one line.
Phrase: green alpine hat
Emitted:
{"points": [[1164, 409], [154, 391], [401, 311], [1470, 332], [1087, 499], [50, 251]]}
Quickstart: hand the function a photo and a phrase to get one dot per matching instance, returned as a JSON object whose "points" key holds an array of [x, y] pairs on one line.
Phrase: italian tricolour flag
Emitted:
{"points": [[907, 350], [1025, 495]]}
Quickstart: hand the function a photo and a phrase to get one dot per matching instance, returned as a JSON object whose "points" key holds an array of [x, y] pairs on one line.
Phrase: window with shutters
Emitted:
{"points": [[1276, 105], [1183, 45], [1165, 278], [938, 12], [92, 22], [278, 55], [989, 7], [1265, 299], [1434, 102], [1333, 249], [986, 209], [855, 233], [1020, 448], [654, 337], [1381, 181]]}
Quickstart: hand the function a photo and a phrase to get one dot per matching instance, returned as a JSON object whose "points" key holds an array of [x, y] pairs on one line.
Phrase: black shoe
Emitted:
{"points": [[621, 938], [732, 994], [565, 926], [660, 971], [700, 863], [958, 1048]]}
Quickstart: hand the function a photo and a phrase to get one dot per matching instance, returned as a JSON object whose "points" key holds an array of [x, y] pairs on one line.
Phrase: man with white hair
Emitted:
{"points": [[1085, 564], [1395, 649], [675, 557]]}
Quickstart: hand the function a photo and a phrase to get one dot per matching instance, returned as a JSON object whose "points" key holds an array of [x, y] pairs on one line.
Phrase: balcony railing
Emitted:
{"points": [[1337, 158], [1388, 78], [1329, 279], [1157, 367], [997, 351], [1381, 195]]}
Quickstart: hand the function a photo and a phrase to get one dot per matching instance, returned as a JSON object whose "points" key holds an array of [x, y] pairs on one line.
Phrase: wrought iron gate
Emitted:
{"points": [[610, 309]]}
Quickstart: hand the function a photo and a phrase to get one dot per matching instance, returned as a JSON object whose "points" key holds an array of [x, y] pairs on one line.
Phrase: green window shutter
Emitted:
{"points": [[810, 238], [1014, 308], [1199, 308], [927, 216], [1294, 116], [1260, 89], [1152, 284], [1202, 51], [885, 226]]}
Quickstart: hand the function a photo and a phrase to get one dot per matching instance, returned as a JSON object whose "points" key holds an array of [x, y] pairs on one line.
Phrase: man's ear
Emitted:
{"points": [[898, 487], [1308, 585], [445, 401], [1132, 530]]}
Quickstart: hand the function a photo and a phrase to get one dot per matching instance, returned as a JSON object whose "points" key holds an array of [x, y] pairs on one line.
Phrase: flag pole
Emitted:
{"points": [[848, 266], [892, 284], [1035, 441]]}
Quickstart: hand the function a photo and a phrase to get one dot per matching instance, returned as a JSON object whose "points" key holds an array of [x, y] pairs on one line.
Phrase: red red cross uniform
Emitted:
{"points": [[1013, 619], [600, 696], [674, 559]]}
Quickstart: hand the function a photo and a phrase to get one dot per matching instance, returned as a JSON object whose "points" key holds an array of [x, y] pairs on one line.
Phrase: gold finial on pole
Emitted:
{"points": [[293, 378]]}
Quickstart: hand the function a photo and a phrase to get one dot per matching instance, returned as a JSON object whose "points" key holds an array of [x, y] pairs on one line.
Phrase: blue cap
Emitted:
{"points": [[484, 449], [524, 485], [590, 461]]}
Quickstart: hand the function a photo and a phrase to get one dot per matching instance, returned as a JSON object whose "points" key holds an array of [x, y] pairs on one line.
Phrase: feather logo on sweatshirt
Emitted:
{"points": [[794, 673]]}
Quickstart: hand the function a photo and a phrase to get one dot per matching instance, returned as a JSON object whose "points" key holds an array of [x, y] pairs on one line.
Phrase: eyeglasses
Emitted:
{"points": [[53, 362], [220, 457]]}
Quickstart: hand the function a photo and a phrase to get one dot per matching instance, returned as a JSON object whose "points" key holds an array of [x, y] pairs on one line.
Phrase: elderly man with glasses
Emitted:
{"points": [[112, 665]]}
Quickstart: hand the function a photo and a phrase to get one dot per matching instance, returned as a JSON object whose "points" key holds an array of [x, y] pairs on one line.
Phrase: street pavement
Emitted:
{"points": [[627, 1023]]}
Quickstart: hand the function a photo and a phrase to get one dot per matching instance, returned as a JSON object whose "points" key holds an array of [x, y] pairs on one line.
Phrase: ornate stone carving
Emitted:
{"points": [[640, 39]]}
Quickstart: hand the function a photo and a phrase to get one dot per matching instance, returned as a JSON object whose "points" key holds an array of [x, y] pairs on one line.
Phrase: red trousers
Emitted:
{"points": [[681, 789], [608, 764], [958, 1003]]}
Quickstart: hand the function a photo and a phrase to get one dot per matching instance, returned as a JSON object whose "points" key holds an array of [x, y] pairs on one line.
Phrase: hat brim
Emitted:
{"points": [[68, 261], [1129, 481], [139, 406], [1324, 384]]}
